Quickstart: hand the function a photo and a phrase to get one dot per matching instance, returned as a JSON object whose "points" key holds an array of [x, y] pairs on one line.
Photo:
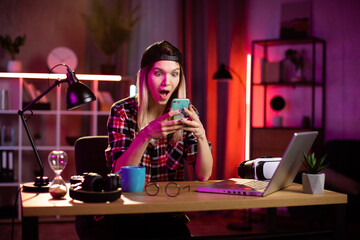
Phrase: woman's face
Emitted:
{"points": [[162, 80]]}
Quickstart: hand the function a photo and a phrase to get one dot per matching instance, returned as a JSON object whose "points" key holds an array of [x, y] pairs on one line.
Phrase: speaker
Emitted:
{"points": [[92, 187]]}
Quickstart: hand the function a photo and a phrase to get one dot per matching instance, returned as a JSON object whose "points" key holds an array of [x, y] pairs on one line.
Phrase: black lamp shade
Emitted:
{"points": [[77, 93], [222, 73]]}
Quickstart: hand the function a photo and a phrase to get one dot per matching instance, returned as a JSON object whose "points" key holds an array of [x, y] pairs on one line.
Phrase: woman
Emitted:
{"points": [[141, 129], [143, 133]]}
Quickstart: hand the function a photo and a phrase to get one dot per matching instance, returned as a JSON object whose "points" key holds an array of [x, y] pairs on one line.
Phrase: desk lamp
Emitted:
{"points": [[76, 95]]}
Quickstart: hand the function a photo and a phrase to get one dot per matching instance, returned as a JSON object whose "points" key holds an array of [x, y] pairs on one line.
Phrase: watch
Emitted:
{"points": [[62, 55]]}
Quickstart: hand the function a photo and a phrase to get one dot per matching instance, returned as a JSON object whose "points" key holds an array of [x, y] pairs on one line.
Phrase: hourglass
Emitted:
{"points": [[57, 162]]}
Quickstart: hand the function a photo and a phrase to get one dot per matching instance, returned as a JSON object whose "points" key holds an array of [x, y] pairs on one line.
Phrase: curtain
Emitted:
{"points": [[212, 33]]}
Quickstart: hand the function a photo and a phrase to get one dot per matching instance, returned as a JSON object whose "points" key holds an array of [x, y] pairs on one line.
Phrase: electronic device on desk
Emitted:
{"points": [[92, 187], [260, 168], [282, 172]]}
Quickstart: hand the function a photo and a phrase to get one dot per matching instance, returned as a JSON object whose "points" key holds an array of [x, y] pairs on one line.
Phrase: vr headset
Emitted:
{"points": [[260, 168]]}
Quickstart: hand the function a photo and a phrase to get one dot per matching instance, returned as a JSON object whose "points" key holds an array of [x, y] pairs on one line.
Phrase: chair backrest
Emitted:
{"points": [[343, 156], [90, 155]]}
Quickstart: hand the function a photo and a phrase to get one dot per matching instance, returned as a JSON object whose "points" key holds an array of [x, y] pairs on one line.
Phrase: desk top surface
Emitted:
{"points": [[42, 204]]}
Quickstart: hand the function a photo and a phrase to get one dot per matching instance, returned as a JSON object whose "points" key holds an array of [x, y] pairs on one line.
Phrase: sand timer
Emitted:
{"points": [[57, 161]]}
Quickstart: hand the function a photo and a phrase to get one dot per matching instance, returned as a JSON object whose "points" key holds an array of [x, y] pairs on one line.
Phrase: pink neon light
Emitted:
{"points": [[248, 97], [98, 77]]}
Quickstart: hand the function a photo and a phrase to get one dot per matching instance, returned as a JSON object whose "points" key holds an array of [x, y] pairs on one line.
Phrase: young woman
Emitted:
{"points": [[142, 131]]}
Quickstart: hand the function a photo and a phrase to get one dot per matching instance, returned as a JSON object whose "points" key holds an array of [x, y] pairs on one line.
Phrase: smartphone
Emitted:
{"points": [[179, 103]]}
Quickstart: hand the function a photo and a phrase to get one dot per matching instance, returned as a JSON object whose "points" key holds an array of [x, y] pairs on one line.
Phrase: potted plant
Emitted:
{"points": [[313, 180], [110, 27], [293, 66], [12, 47]]}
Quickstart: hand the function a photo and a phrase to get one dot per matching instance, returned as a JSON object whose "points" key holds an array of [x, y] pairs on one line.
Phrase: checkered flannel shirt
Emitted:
{"points": [[163, 159]]}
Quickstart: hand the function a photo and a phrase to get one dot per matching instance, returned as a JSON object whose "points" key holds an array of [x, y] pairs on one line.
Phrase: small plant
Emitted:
{"points": [[12, 47], [111, 26], [313, 165]]}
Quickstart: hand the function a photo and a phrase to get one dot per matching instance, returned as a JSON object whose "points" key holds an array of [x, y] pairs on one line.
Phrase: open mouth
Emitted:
{"points": [[164, 93]]}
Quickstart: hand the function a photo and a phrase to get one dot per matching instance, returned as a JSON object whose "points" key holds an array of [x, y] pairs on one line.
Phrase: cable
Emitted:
{"points": [[14, 213]]}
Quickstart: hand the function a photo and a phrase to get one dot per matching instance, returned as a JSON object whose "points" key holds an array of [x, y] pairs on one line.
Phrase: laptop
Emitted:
{"points": [[283, 176]]}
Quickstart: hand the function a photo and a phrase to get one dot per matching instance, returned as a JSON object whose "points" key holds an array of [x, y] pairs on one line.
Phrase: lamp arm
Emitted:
{"points": [[238, 76], [21, 114], [56, 83], [32, 144]]}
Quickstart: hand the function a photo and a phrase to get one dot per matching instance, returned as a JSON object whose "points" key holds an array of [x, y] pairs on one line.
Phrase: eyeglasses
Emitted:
{"points": [[172, 189]]}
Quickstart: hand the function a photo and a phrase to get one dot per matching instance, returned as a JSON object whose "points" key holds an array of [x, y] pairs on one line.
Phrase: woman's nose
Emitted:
{"points": [[165, 80]]}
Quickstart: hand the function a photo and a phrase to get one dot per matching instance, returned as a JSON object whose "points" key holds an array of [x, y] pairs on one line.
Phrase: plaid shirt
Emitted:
{"points": [[163, 159]]}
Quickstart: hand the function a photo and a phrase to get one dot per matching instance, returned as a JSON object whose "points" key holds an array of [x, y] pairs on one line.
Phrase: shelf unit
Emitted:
{"points": [[304, 97], [57, 127]]}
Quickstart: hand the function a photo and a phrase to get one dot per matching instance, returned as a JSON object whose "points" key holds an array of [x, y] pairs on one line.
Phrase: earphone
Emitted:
{"points": [[92, 187]]}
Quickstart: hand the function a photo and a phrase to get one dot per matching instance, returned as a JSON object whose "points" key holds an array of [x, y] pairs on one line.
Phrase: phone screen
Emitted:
{"points": [[179, 103]]}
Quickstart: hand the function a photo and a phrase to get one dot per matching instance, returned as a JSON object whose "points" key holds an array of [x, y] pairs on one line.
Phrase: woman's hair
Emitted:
{"points": [[156, 52]]}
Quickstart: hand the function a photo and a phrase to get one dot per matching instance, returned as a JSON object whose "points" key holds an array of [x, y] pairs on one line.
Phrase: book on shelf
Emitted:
{"points": [[33, 93], [270, 71], [7, 166]]}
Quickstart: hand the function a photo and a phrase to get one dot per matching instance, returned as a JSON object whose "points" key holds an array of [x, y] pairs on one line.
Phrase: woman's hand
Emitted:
{"points": [[163, 125], [204, 160], [193, 123]]}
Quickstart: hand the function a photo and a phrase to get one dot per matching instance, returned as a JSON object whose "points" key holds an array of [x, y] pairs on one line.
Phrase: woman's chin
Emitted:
{"points": [[163, 100]]}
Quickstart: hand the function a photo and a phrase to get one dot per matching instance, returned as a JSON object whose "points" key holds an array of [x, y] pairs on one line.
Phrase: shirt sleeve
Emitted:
{"points": [[121, 132]]}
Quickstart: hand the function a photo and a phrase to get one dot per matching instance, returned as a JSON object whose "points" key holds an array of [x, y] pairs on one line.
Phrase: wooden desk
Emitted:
{"points": [[37, 205]]}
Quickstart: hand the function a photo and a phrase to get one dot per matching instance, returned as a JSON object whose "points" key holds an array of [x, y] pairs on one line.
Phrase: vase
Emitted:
{"points": [[313, 183], [277, 121], [14, 66]]}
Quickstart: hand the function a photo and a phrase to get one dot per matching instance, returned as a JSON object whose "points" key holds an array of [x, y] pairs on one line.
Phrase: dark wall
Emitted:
{"points": [[46, 24]]}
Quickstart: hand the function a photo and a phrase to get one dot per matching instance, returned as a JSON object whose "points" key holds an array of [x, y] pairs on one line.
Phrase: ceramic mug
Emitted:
{"points": [[132, 178]]}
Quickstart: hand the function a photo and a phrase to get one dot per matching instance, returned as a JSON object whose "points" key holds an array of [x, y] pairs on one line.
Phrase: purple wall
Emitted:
{"points": [[335, 21]]}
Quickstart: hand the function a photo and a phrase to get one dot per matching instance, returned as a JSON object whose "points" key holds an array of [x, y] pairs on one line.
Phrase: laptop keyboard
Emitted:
{"points": [[252, 183], [258, 185]]}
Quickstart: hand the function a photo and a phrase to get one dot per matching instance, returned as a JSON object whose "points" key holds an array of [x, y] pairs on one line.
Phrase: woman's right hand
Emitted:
{"points": [[163, 125]]}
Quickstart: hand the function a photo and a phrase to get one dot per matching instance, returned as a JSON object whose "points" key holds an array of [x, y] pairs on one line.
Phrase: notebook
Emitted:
{"points": [[283, 176]]}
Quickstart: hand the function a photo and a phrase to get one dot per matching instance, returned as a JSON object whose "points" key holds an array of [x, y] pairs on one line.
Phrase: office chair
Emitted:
{"points": [[90, 155]]}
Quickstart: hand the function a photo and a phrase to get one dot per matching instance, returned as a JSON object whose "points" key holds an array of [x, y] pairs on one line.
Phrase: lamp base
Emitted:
{"points": [[30, 187], [40, 185]]}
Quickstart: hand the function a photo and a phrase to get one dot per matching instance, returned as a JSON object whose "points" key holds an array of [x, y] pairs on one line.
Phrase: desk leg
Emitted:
{"points": [[30, 228], [271, 220], [340, 221]]}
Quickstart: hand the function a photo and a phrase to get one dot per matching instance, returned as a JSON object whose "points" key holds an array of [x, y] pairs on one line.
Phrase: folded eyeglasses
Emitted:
{"points": [[172, 189]]}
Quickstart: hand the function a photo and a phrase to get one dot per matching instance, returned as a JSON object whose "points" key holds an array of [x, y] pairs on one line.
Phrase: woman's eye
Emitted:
{"points": [[157, 73], [175, 74]]}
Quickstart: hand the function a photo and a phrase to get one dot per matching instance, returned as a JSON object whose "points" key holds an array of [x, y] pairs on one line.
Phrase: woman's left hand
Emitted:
{"points": [[193, 123]]}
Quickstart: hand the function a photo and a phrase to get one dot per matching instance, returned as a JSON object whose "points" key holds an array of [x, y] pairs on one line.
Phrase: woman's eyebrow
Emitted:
{"points": [[173, 70]]}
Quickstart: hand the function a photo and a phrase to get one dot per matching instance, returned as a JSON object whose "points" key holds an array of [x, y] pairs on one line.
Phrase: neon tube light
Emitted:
{"points": [[98, 77], [247, 101]]}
